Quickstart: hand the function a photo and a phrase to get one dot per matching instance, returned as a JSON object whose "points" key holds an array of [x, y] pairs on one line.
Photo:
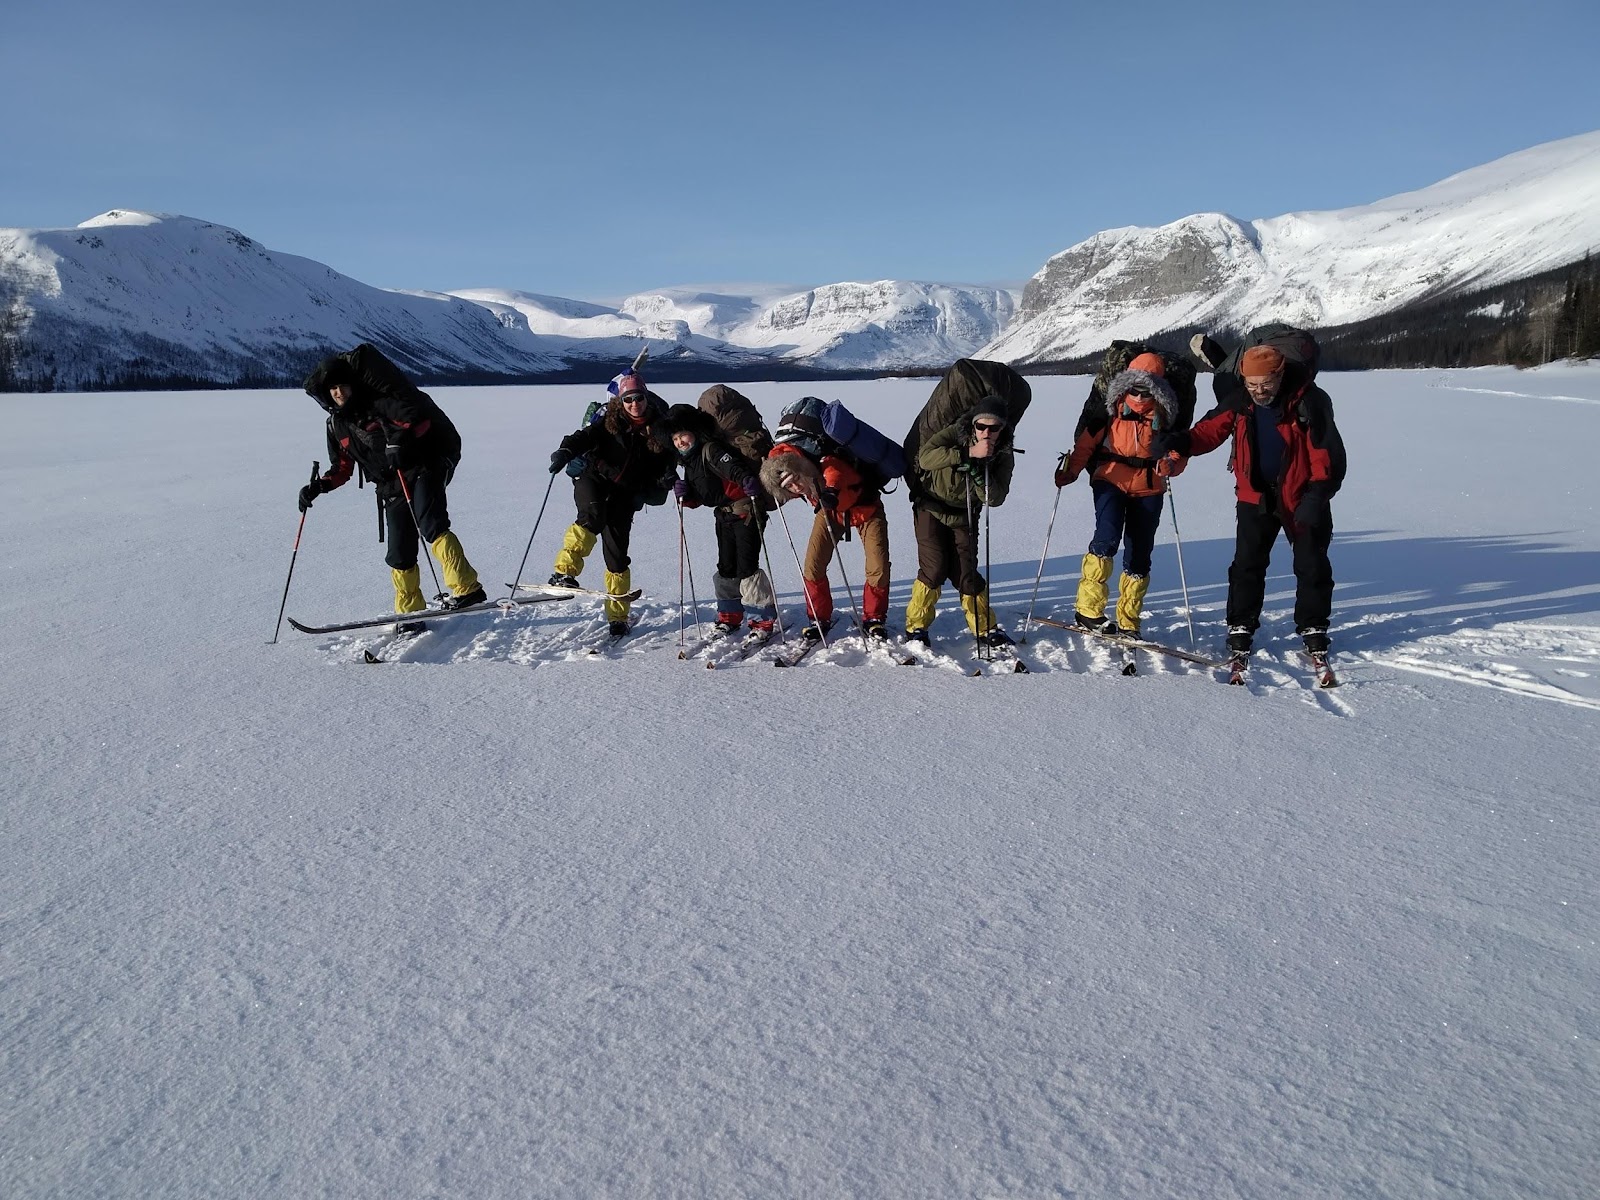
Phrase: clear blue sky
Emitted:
{"points": [[593, 149]]}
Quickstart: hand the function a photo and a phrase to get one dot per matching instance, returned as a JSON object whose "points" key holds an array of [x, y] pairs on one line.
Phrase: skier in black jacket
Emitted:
{"points": [[628, 463], [716, 475], [378, 420]]}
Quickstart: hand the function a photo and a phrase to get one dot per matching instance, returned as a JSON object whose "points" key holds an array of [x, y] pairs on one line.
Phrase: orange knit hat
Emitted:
{"points": [[1259, 361], [1149, 363]]}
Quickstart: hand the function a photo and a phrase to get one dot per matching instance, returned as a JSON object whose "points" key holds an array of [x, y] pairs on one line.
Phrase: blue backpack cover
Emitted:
{"points": [[864, 443]]}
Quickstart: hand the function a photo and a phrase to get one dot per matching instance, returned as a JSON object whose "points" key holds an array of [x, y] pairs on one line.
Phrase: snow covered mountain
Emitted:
{"points": [[1522, 214], [149, 295], [885, 325], [141, 299], [133, 298]]}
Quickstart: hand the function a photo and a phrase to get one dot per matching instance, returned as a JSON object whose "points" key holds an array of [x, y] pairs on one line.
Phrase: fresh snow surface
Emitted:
{"points": [[505, 919]]}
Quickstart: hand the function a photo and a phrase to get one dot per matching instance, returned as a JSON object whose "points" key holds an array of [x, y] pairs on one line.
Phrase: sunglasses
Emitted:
{"points": [[985, 427], [633, 398]]}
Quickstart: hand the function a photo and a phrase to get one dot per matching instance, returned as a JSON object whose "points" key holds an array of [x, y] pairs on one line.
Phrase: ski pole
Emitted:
{"points": [[839, 559], [977, 641], [682, 549], [1177, 539], [687, 558], [1043, 554], [316, 470], [777, 609], [988, 568], [805, 596], [417, 525], [517, 578]]}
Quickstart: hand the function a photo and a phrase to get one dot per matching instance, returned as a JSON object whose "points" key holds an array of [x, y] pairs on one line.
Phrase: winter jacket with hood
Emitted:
{"points": [[633, 455], [1313, 452], [385, 410], [1120, 449], [952, 487]]}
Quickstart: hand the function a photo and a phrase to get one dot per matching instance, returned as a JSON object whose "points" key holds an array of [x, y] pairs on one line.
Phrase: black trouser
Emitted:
{"points": [[607, 510], [738, 544], [427, 486], [947, 552], [1258, 527]]}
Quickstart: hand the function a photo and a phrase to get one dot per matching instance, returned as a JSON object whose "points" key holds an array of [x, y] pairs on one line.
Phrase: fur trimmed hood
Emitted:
{"points": [[785, 461], [1124, 382]]}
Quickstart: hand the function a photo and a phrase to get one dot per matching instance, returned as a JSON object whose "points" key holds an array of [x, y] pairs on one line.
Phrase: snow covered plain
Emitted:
{"points": [[506, 920]]}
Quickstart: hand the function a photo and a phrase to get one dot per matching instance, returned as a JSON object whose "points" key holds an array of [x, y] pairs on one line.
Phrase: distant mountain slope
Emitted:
{"points": [[131, 299], [1515, 217], [131, 295]]}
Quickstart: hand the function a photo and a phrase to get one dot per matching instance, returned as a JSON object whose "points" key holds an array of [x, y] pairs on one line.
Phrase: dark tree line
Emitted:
{"points": [[1540, 319]]}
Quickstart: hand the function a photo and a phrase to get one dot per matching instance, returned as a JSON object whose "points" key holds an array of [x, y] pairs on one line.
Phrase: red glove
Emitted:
{"points": [[1170, 464]]}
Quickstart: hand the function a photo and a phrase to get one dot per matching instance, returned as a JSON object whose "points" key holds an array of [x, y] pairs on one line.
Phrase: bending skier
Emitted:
{"points": [[716, 475], [402, 441], [804, 464]]}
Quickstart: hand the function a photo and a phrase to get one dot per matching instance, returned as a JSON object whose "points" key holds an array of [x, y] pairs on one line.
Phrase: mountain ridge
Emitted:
{"points": [[131, 298]]}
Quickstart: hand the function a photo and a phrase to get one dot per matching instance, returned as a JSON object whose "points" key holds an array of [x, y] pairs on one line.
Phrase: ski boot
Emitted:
{"points": [[466, 600], [564, 581]]}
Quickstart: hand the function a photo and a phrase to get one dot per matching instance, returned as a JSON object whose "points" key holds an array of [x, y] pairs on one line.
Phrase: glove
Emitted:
{"points": [[1313, 510], [310, 492], [1171, 464], [828, 498], [751, 487], [393, 455], [680, 489], [560, 459], [1171, 441], [1064, 474]]}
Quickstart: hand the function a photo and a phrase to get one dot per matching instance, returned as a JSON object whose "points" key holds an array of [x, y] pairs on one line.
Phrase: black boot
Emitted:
{"points": [[476, 596]]}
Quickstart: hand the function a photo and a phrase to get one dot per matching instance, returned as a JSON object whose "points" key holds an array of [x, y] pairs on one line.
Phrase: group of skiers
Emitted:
{"points": [[1136, 432]]}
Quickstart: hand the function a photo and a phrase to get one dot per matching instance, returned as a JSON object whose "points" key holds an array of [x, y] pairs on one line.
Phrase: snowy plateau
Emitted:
{"points": [[502, 918], [174, 298]]}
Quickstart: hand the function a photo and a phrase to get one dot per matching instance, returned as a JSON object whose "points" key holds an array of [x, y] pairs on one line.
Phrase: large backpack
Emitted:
{"points": [[1178, 371], [818, 428], [862, 443], [1298, 346], [742, 427], [958, 392]]}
